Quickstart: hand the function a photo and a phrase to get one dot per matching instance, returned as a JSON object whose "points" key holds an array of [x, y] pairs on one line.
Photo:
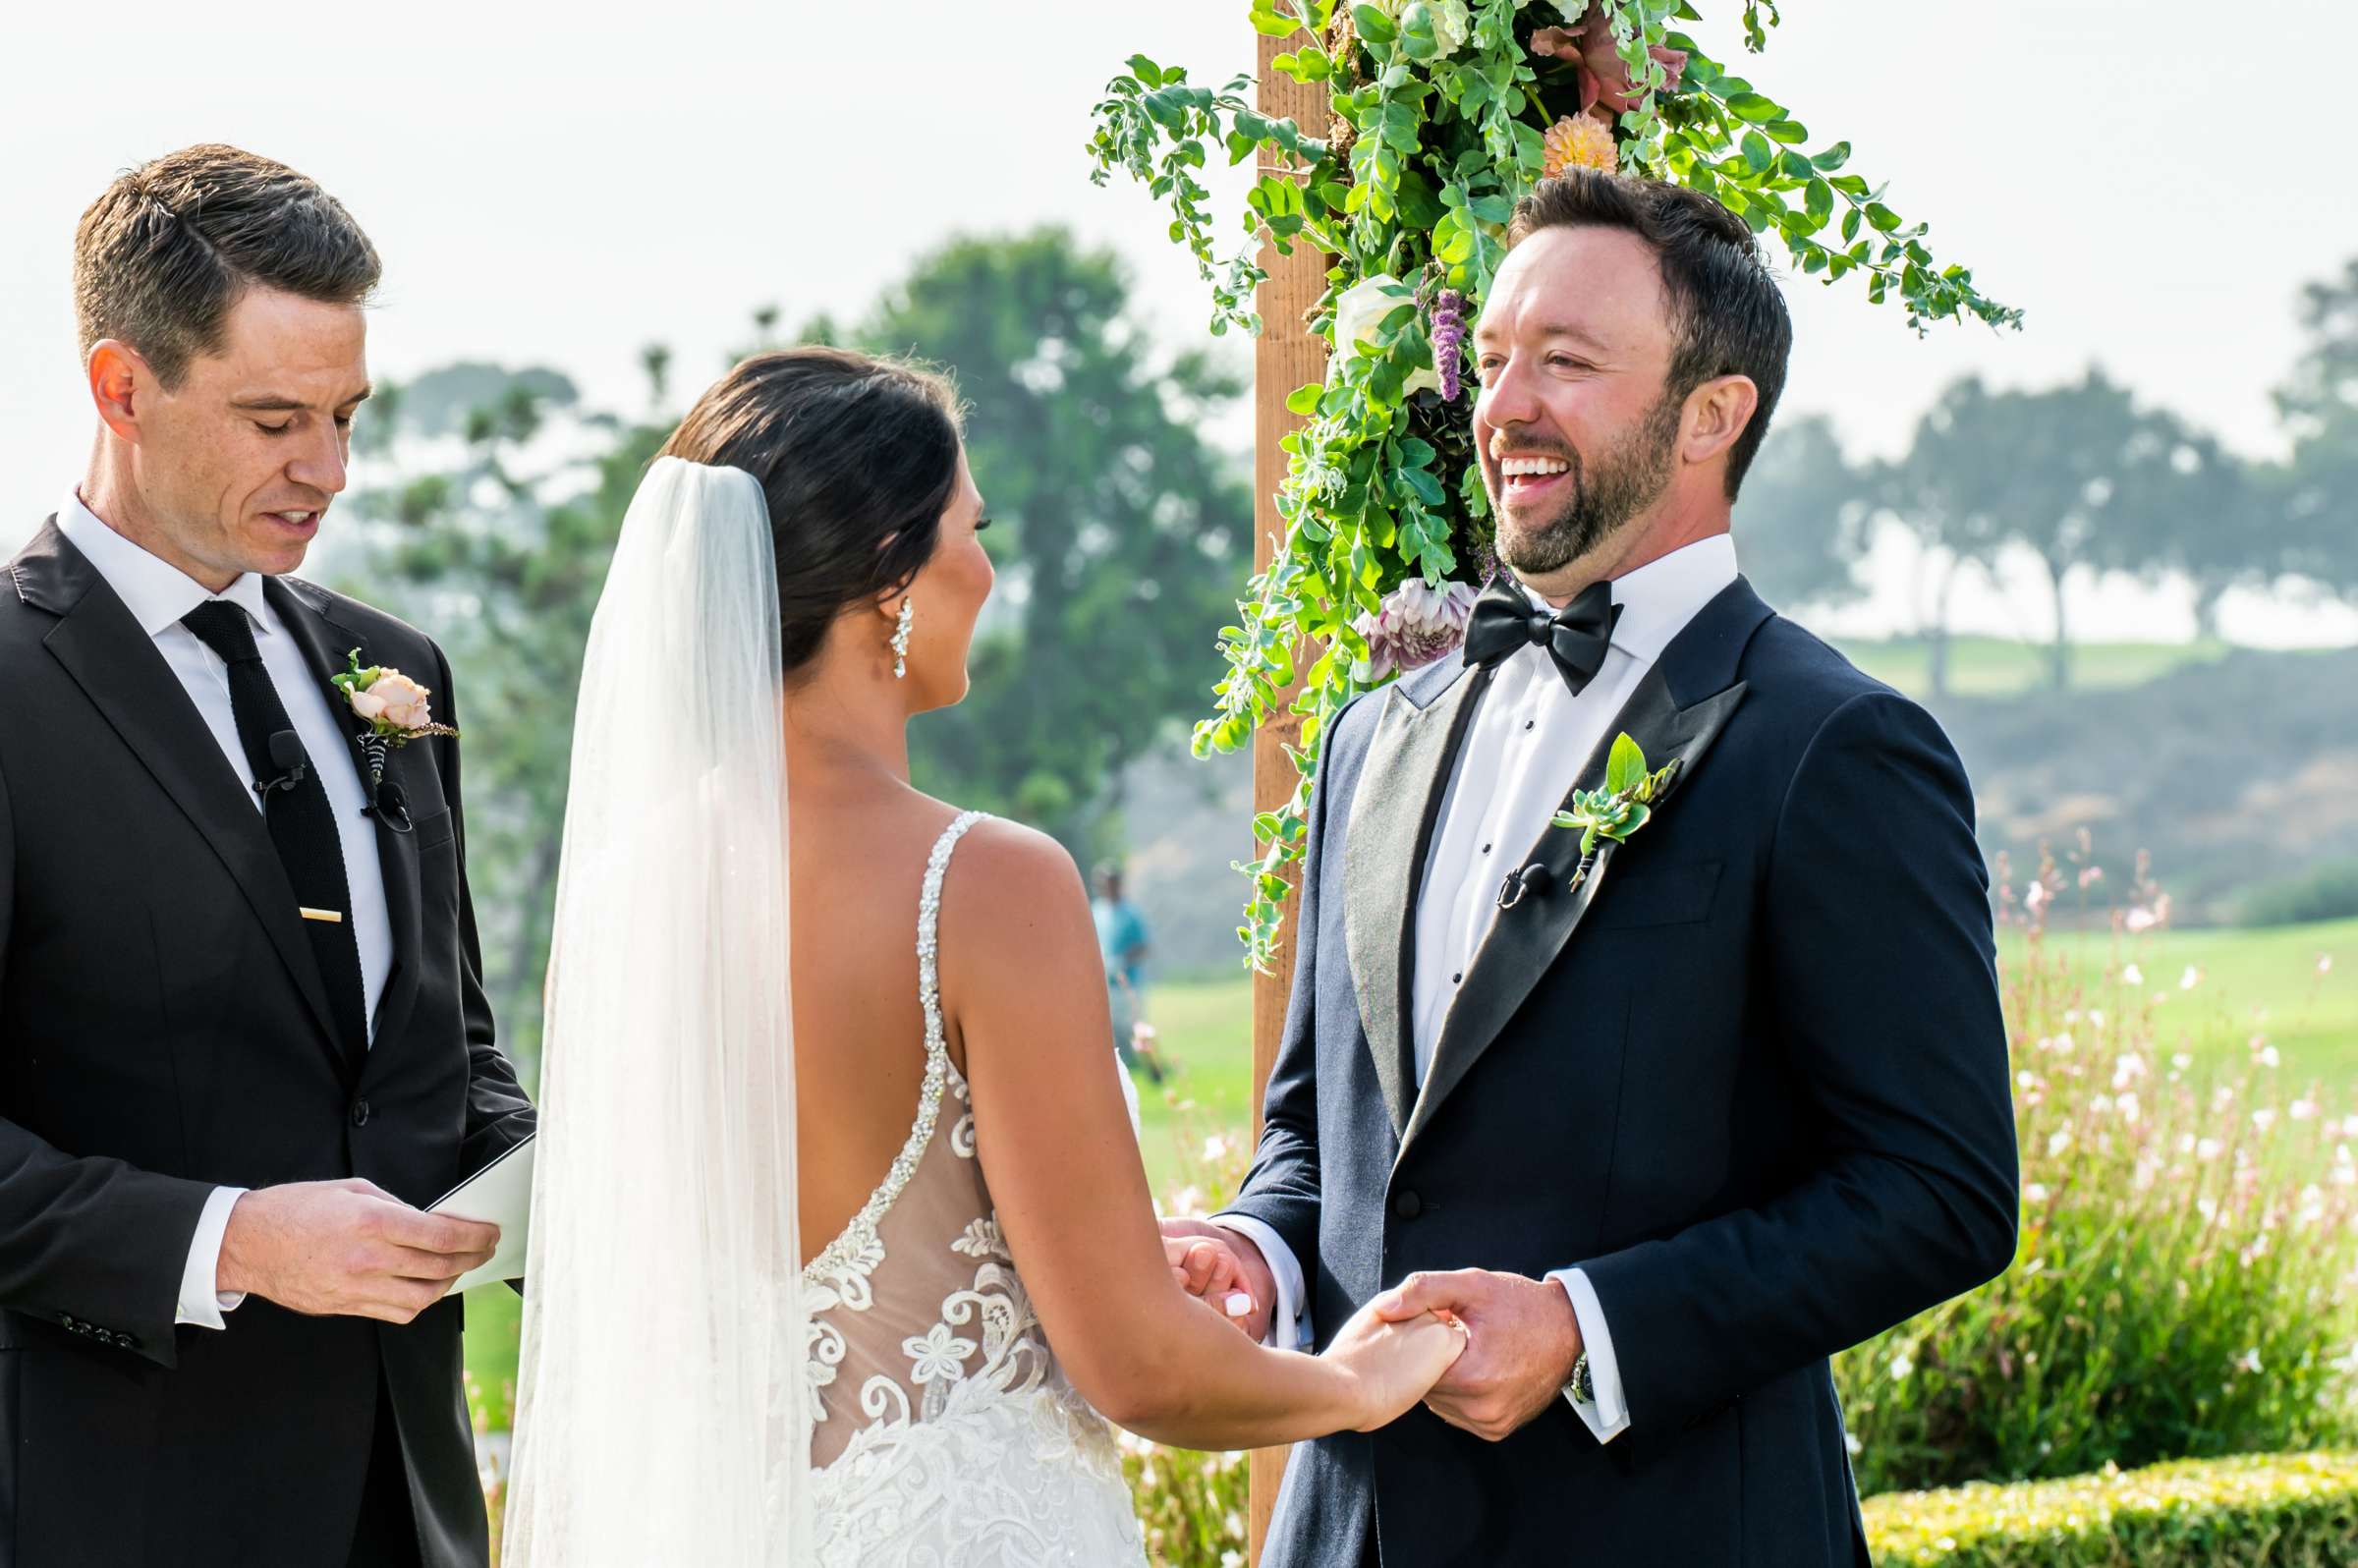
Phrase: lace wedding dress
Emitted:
{"points": [[687, 1391], [944, 1433]]}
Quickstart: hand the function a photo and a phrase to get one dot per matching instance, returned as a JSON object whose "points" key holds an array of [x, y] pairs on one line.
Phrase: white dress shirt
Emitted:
{"points": [[1521, 756], [157, 595]]}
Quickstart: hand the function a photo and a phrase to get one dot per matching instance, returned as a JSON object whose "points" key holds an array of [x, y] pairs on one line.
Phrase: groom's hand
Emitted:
{"points": [[346, 1249], [1219, 1264], [1524, 1340]]}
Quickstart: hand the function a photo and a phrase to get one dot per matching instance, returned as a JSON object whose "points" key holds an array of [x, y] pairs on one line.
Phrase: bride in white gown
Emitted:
{"points": [[841, 1241]]}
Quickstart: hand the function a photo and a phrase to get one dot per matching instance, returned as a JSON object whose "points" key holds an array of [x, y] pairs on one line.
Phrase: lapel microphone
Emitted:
{"points": [[391, 807], [286, 754], [1534, 880]]}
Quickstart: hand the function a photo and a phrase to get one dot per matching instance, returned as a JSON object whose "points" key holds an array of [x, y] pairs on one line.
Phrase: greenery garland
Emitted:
{"points": [[1443, 114]]}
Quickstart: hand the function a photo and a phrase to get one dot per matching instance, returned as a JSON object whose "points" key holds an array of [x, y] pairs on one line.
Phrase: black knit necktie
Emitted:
{"points": [[302, 822], [1575, 636]]}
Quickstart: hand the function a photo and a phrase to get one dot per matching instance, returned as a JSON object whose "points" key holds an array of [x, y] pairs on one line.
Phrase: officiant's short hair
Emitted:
{"points": [[1727, 315], [167, 251]]}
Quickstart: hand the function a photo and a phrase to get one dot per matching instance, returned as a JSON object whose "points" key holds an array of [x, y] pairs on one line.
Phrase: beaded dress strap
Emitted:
{"points": [[845, 1251]]}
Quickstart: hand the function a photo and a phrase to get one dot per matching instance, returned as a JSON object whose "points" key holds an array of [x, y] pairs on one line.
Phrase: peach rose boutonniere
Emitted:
{"points": [[396, 710]]}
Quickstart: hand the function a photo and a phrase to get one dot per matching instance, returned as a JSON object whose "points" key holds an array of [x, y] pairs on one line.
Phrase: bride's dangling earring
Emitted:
{"points": [[900, 639]]}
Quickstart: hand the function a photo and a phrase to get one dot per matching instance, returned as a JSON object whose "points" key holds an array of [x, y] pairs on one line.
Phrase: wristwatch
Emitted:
{"points": [[1581, 1388]]}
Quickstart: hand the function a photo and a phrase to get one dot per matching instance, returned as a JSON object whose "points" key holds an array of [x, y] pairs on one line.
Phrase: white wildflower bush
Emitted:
{"points": [[2184, 1285]]}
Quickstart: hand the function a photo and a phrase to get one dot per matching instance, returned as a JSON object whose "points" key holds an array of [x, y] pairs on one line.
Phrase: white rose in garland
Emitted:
{"points": [[1360, 310], [1451, 21], [1452, 25]]}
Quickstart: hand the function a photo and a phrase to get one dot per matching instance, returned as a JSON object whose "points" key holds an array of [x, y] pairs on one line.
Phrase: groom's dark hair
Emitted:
{"points": [[1727, 315], [165, 253], [858, 457]]}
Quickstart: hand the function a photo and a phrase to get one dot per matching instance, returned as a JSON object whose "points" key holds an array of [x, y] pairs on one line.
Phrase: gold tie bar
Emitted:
{"points": [[330, 915]]}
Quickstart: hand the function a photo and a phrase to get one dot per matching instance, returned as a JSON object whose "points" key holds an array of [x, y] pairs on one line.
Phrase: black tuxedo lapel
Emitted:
{"points": [[116, 665], [327, 646], [1394, 810], [1675, 713]]}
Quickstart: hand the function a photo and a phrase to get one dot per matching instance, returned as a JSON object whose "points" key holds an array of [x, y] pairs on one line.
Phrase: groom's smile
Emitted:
{"points": [[1529, 476]]}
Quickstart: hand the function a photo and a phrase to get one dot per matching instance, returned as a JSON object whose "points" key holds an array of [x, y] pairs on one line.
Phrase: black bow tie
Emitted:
{"points": [[1575, 636]]}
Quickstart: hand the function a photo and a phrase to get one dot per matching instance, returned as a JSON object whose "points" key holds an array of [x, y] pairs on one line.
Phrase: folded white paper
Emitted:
{"points": [[500, 1194]]}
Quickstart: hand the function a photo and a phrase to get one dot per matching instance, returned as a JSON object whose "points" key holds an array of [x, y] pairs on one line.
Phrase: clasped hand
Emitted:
{"points": [[347, 1249], [1522, 1337]]}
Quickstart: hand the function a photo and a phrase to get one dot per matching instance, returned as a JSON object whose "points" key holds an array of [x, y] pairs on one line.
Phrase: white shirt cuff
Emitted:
{"points": [[1287, 1331], [199, 1302], [1607, 1416]]}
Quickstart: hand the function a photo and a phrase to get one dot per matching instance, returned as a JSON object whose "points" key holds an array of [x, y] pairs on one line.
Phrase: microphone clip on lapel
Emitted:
{"points": [[286, 754], [1534, 880], [391, 807], [387, 802]]}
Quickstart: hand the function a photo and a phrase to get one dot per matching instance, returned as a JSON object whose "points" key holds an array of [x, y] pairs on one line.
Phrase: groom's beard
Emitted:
{"points": [[1628, 478]]}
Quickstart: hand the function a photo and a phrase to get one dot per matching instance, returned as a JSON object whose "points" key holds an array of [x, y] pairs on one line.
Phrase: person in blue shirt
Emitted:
{"points": [[1122, 940]]}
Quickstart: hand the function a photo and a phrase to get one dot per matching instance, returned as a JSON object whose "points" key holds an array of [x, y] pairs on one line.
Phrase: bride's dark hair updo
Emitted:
{"points": [[852, 450]]}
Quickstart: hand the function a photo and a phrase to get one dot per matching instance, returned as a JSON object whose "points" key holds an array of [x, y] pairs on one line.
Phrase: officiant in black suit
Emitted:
{"points": [[1670, 1124], [243, 1031]]}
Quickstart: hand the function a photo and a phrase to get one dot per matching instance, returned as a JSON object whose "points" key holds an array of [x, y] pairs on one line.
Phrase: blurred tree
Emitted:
{"points": [[1939, 492], [2206, 513], [1119, 531], [2074, 473], [442, 400], [655, 360], [372, 433], [506, 580], [2319, 405], [1800, 521]]}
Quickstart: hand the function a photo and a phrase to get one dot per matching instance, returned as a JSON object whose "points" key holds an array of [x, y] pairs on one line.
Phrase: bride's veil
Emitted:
{"points": [[662, 1414]]}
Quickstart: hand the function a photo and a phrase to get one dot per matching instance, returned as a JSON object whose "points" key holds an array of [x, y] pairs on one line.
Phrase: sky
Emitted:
{"points": [[2150, 184]]}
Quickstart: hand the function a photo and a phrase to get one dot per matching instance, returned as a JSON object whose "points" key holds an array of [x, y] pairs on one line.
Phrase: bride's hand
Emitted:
{"points": [[1392, 1366]]}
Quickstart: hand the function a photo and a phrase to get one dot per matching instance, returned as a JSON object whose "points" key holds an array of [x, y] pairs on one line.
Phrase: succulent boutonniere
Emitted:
{"points": [[1624, 805], [397, 710]]}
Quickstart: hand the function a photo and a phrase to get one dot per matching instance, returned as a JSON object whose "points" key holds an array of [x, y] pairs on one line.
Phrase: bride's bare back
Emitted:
{"points": [[857, 866]]}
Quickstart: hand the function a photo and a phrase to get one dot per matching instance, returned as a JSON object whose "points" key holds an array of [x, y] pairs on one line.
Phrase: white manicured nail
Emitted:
{"points": [[1238, 1304]]}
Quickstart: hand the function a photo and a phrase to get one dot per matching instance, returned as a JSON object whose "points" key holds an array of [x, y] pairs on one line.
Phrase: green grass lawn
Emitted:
{"points": [[2264, 983], [2247, 983], [494, 1335], [1990, 666], [1207, 1042]]}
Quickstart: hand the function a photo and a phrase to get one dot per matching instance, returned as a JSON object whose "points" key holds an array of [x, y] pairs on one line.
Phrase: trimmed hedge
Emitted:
{"points": [[2253, 1511]]}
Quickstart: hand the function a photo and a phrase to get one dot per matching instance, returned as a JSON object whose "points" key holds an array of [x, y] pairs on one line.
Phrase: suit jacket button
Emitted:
{"points": [[360, 1112], [1407, 1205], [71, 1326], [127, 1342]]}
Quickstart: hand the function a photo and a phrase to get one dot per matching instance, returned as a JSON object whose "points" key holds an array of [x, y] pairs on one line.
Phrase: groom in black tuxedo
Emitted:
{"points": [[1671, 1125], [241, 1027]]}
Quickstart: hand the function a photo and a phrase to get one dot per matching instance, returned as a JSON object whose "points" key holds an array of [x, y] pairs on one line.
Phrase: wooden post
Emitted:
{"points": [[1286, 356]]}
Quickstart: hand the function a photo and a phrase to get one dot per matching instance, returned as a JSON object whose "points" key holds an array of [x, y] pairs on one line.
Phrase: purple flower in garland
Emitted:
{"points": [[1414, 626], [1487, 564], [1448, 338]]}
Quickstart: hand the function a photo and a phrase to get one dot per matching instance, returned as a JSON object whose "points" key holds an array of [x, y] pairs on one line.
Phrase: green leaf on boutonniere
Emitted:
{"points": [[1625, 768], [356, 679], [1624, 805]]}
